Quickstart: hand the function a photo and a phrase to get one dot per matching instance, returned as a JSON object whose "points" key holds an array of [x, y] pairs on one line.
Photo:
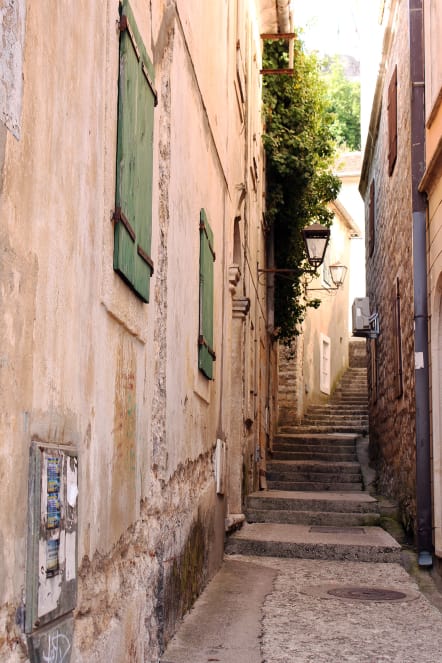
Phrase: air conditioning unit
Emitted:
{"points": [[360, 315]]}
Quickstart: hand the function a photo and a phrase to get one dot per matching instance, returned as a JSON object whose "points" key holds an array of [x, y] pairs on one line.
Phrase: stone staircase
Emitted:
{"points": [[346, 412], [315, 506]]}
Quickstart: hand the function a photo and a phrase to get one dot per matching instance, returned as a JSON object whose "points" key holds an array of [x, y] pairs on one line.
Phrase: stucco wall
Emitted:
{"points": [[85, 363], [432, 185]]}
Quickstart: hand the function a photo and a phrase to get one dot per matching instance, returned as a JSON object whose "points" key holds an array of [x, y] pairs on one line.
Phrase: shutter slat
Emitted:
{"points": [[133, 205]]}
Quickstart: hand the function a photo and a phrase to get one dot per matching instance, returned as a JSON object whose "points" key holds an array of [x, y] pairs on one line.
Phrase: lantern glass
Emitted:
{"points": [[316, 239], [338, 273]]}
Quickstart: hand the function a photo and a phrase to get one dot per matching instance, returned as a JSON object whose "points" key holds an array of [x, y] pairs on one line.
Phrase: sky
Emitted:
{"points": [[330, 26]]}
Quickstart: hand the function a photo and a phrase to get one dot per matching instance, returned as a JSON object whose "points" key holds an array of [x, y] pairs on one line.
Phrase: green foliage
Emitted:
{"points": [[344, 104], [300, 151]]}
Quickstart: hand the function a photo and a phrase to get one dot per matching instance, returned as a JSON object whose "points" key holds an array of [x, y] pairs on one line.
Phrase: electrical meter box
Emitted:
{"points": [[51, 572]]}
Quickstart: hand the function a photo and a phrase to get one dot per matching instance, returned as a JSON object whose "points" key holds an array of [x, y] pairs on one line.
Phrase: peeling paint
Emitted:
{"points": [[12, 31]]}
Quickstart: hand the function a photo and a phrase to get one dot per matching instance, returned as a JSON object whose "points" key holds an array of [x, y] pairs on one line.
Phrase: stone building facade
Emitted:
{"points": [[389, 189], [135, 370]]}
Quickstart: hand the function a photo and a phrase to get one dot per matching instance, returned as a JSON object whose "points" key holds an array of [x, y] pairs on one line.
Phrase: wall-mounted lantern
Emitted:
{"points": [[338, 273], [316, 238]]}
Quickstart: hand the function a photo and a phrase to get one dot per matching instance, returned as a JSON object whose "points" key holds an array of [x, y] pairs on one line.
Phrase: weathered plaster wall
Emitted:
{"points": [[392, 420], [12, 35], [349, 170], [84, 363], [432, 185]]}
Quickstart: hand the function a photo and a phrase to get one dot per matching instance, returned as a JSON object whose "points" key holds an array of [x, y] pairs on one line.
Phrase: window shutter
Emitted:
{"points": [[133, 200], [392, 122], [206, 354], [371, 220]]}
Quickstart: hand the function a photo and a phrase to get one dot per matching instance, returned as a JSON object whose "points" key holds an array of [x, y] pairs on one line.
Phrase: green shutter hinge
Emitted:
{"points": [[211, 351], [204, 230]]}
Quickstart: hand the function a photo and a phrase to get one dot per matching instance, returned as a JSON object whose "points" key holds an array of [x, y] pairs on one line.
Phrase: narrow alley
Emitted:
{"points": [[221, 331], [312, 576]]}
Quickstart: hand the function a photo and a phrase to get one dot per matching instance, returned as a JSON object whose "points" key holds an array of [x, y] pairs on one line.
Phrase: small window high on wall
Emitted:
{"points": [[206, 353], [133, 199]]}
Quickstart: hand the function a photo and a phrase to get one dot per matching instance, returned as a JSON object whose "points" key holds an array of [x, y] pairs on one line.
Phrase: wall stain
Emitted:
{"points": [[185, 577]]}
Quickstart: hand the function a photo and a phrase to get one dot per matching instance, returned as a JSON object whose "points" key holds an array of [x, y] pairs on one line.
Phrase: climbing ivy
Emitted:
{"points": [[300, 151]]}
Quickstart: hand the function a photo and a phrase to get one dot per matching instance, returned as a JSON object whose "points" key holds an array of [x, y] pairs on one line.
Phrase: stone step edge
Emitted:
{"points": [[323, 551], [358, 502], [309, 486], [334, 518]]}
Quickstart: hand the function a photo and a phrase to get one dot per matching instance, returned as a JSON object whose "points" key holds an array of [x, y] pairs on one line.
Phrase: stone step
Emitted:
{"points": [[314, 485], [342, 409], [319, 467], [332, 455], [347, 399], [352, 401], [338, 428], [351, 412], [351, 390], [305, 446], [316, 439], [312, 517], [312, 477], [330, 501], [328, 449], [287, 471], [333, 420], [362, 544]]}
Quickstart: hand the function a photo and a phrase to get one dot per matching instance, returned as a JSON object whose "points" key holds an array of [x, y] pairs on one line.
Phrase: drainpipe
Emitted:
{"points": [[419, 209]]}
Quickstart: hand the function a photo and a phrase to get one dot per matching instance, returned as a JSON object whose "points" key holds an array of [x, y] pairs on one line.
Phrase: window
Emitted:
{"points": [[392, 122], [397, 341], [371, 220], [133, 198], [206, 354]]}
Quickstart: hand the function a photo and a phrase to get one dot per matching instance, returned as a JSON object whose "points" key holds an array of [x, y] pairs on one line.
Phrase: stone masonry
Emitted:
{"points": [[392, 415]]}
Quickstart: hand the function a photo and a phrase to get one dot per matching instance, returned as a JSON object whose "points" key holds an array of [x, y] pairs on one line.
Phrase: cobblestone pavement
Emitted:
{"points": [[275, 610], [300, 625]]}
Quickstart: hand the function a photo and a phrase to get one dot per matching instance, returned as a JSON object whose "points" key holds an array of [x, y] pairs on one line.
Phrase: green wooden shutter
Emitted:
{"points": [[133, 200], [206, 354]]}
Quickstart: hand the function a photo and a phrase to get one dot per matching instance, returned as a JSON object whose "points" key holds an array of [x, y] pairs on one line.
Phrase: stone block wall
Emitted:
{"points": [[290, 382], [357, 354], [392, 416]]}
